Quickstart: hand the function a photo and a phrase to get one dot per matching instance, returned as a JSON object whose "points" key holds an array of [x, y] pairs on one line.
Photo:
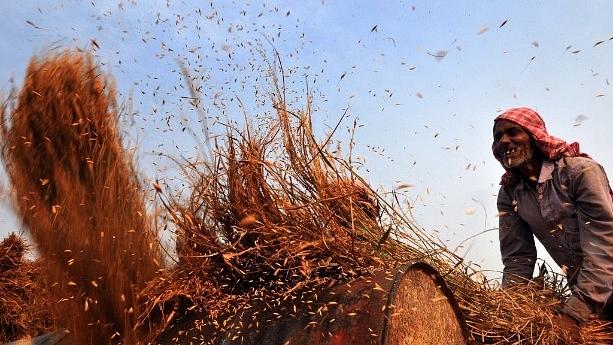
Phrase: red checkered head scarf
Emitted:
{"points": [[550, 146]]}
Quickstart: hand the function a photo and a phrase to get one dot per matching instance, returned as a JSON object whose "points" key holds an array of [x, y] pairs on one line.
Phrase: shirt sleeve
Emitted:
{"points": [[517, 246], [590, 189]]}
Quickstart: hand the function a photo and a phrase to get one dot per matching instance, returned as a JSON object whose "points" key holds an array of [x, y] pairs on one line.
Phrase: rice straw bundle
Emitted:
{"points": [[275, 212], [523, 314], [78, 194]]}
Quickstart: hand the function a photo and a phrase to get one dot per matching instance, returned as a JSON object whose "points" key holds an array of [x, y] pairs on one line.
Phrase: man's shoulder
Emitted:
{"points": [[575, 162], [578, 165]]}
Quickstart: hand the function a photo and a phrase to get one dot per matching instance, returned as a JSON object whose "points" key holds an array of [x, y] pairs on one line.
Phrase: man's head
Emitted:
{"points": [[520, 134], [513, 145], [346, 192], [550, 146], [513, 129]]}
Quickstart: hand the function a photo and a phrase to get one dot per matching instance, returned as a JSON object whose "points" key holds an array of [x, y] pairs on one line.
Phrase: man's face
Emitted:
{"points": [[512, 144]]}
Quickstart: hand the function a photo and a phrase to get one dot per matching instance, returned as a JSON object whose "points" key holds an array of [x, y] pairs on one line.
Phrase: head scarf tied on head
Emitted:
{"points": [[550, 146]]}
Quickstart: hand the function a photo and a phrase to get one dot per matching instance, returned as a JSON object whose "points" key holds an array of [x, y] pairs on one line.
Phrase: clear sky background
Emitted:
{"points": [[424, 80]]}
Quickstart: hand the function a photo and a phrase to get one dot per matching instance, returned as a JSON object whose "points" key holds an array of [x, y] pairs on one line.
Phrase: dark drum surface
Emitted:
{"points": [[409, 305]]}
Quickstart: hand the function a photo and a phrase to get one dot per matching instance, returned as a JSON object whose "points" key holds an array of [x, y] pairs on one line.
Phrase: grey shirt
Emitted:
{"points": [[571, 213]]}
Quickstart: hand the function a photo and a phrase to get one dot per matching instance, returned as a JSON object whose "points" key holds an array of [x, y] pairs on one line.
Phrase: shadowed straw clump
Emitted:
{"points": [[77, 192], [25, 304]]}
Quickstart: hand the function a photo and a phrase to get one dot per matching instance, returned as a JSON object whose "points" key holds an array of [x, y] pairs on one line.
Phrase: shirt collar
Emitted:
{"points": [[547, 168]]}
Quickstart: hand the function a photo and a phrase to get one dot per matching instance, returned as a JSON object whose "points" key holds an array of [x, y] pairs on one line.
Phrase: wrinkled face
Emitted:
{"points": [[512, 144]]}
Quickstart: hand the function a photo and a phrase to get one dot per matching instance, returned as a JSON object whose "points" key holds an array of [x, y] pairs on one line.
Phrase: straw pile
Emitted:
{"points": [[78, 194], [272, 212], [523, 314], [25, 304]]}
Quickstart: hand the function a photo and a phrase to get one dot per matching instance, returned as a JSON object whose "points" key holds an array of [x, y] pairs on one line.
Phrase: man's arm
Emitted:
{"points": [[590, 188], [517, 246]]}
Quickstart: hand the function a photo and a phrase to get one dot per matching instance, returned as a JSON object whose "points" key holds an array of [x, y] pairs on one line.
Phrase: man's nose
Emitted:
{"points": [[505, 138]]}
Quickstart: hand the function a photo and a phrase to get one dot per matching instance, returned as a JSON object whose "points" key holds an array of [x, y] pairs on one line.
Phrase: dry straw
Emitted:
{"points": [[25, 304], [78, 194]]}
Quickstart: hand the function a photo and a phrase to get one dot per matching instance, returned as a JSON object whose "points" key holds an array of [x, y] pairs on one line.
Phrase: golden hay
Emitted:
{"points": [[79, 196], [523, 314]]}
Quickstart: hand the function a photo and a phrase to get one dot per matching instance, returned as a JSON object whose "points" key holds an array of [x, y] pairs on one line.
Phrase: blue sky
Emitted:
{"points": [[424, 79]]}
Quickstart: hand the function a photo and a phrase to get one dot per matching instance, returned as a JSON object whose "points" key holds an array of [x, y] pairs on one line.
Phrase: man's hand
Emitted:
{"points": [[568, 327]]}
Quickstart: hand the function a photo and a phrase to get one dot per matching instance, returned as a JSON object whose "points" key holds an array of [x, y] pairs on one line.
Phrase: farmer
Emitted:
{"points": [[562, 197]]}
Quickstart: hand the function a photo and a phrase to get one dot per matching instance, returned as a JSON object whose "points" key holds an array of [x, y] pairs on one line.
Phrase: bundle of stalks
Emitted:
{"points": [[523, 314], [255, 221], [76, 190], [25, 304], [274, 211]]}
